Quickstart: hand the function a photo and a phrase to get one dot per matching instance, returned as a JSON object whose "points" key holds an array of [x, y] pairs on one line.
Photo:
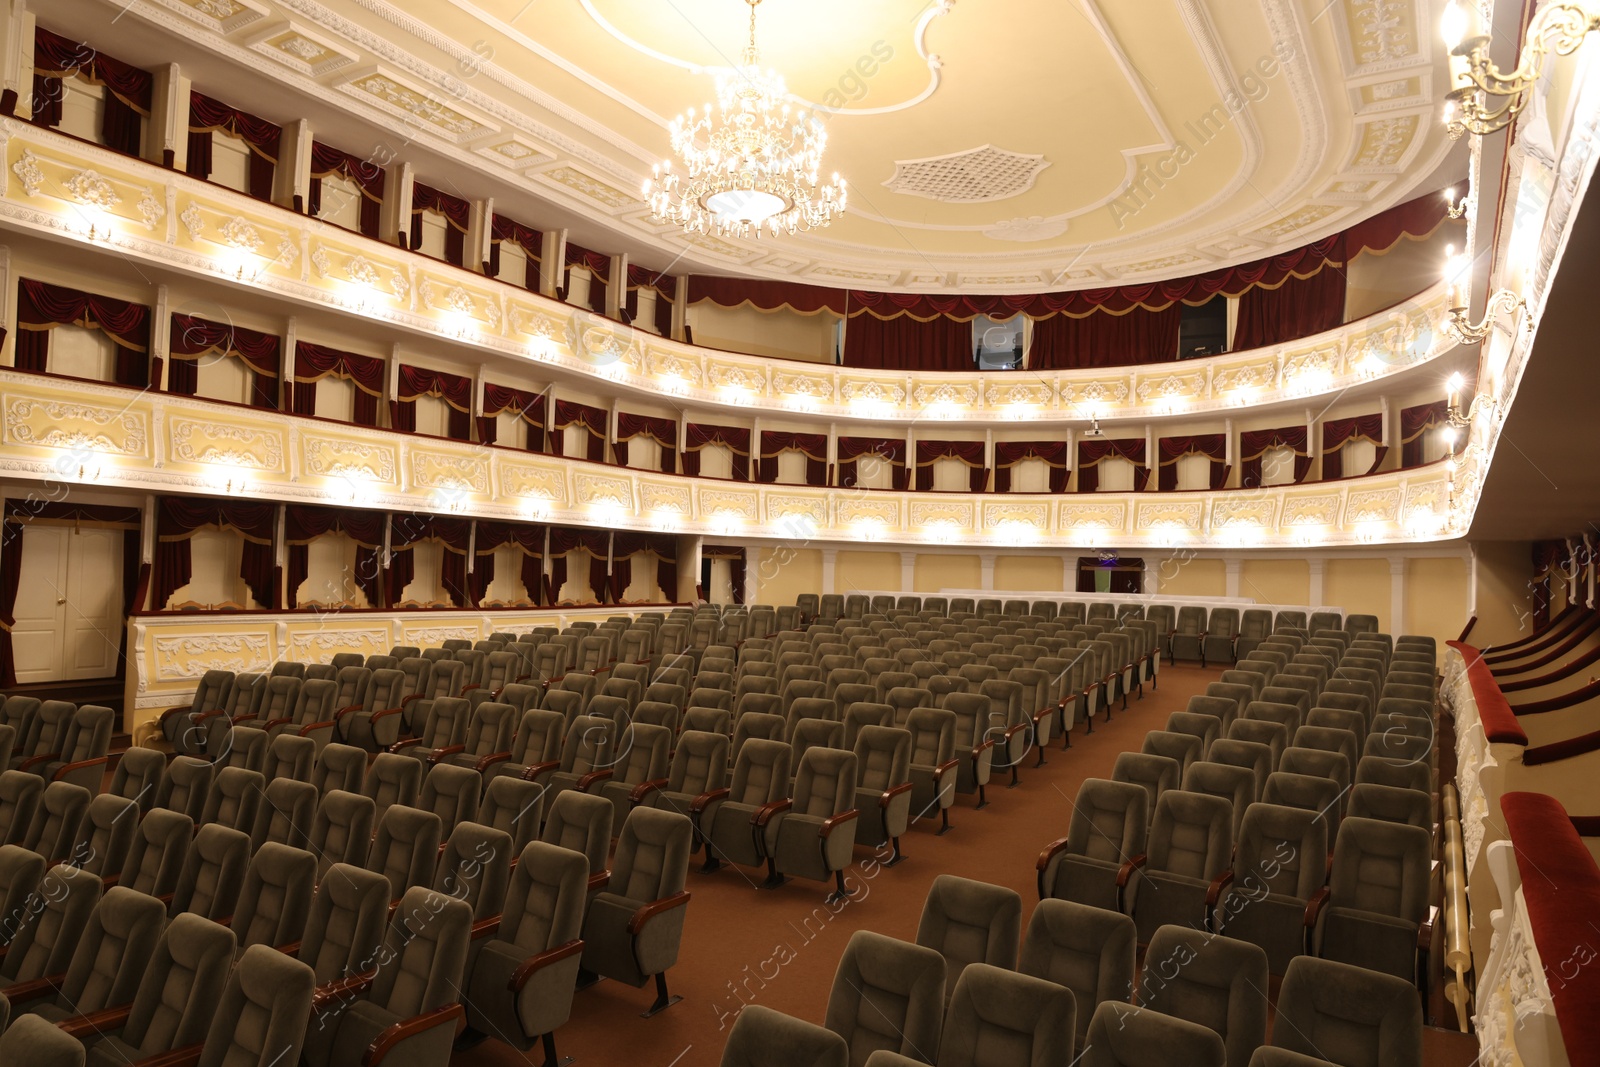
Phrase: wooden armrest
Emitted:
{"points": [[273, 724], [536, 769], [179, 1057], [409, 742], [1425, 929], [328, 995], [34, 761], [1218, 884], [443, 753], [594, 776], [889, 795], [1315, 905], [205, 715], [1048, 853], [96, 1023], [699, 803], [347, 709], [292, 948], [833, 821], [654, 908], [490, 760], [599, 880], [486, 927], [534, 964], [33, 990], [977, 750], [100, 761], [765, 813], [1126, 872], [454, 1014], [947, 767], [405, 701], [644, 789], [469, 688], [384, 714]]}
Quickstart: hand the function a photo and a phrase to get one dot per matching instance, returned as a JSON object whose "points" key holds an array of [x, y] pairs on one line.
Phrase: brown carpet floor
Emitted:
{"points": [[779, 948]]}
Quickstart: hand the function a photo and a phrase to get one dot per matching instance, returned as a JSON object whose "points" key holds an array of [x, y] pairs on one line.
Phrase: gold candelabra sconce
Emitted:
{"points": [[1501, 302], [1486, 98]]}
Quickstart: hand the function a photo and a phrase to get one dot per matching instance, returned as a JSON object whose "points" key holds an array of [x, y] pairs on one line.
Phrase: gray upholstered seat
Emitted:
{"points": [[514, 807], [262, 1013], [1185, 748], [275, 899], [760, 777], [213, 873], [138, 776], [1206, 727], [1088, 950], [20, 874], [339, 767], [39, 1043], [932, 763], [887, 994], [968, 922], [1347, 1015], [156, 855], [392, 779], [452, 793], [345, 925], [53, 830], [341, 830], [107, 962], [634, 926], [1191, 842], [995, 1012], [1377, 898], [289, 756], [1281, 857], [405, 848], [812, 834], [185, 785], [233, 799], [883, 788], [761, 1037], [1121, 1035], [1092, 864], [44, 943], [1232, 783], [1215, 982]]}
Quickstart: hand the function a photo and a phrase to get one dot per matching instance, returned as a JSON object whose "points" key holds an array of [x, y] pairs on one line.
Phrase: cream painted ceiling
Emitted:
{"points": [[1000, 145]]}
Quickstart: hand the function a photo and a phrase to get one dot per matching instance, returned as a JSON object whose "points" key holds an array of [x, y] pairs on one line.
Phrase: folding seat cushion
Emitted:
{"points": [[648, 872], [1347, 1015], [1088, 950], [39, 1043], [1377, 898], [1217, 982], [1122, 1035], [1190, 846], [1108, 829], [886, 995], [969, 922], [1153, 773]]}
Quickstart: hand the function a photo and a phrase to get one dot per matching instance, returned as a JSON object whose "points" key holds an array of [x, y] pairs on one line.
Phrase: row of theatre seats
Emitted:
{"points": [[1214, 919]]}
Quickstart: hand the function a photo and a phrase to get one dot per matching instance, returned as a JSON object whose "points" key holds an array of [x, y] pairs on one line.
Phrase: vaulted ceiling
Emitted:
{"points": [[1028, 145]]}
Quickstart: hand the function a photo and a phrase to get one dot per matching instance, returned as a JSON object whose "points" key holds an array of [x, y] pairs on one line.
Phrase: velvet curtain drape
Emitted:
{"points": [[968, 452], [327, 161], [1415, 423], [42, 307], [1295, 308], [177, 521], [735, 438], [11, 534], [890, 450], [907, 343], [191, 339], [595, 543], [598, 264], [594, 420], [736, 558], [129, 88], [528, 406], [814, 446], [529, 543], [454, 389], [1103, 339], [626, 545], [1336, 433], [1253, 444], [457, 214], [208, 116], [1007, 454], [530, 240], [313, 362], [304, 523], [406, 532], [665, 287], [1214, 446], [1092, 451], [662, 431]]}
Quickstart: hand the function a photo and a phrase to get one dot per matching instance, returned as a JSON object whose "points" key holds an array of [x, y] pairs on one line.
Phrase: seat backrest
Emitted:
{"points": [[156, 855], [56, 819], [652, 857], [699, 763], [317, 703], [286, 814], [263, 1011], [138, 776], [968, 922], [1347, 1014], [88, 734], [1191, 835], [341, 831], [1088, 950], [45, 941], [452, 793], [545, 900], [994, 1008], [47, 728], [474, 867], [341, 767], [405, 848], [1381, 867], [581, 822], [392, 779], [760, 773], [1311, 792], [933, 736], [345, 925], [275, 898], [112, 950], [887, 995], [289, 756], [180, 985], [1216, 982], [1233, 784], [1281, 850], [824, 782], [426, 953], [1110, 821], [233, 799], [20, 873]]}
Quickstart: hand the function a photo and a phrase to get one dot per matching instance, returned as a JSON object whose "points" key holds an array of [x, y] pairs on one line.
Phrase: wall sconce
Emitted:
{"points": [[536, 507], [1467, 332], [1459, 209], [1557, 28]]}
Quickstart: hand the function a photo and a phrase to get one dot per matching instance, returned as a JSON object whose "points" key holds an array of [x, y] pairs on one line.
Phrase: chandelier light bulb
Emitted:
{"points": [[1453, 25]]}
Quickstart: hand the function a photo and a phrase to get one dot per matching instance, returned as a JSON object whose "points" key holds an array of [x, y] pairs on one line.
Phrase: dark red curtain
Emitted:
{"points": [[528, 406], [666, 290], [1008, 454], [905, 343], [192, 338], [454, 535], [208, 116], [599, 267], [663, 432], [1336, 433], [457, 214], [41, 307], [530, 240], [735, 438], [454, 389], [1102, 339], [327, 161], [304, 524], [968, 452], [1092, 451], [1214, 446], [1299, 307], [314, 362], [814, 446], [565, 539], [56, 57], [10, 580], [528, 540], [177, 520], [887, 449], [594, 420], [736, 566], [1415, 424], [1253, 444]]}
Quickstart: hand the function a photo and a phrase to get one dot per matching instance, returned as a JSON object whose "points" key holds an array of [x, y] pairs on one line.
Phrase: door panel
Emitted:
{"points": [[36, 638], [93, 631]]}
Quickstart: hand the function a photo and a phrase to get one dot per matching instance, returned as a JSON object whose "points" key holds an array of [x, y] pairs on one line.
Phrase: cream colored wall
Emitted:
{"points": [[1505, 602], [1275, 581], [1181, 575], [1028, 573], [778, 333], [867, 572], [1374, 282], [787, 572], [936, 572], [1360, 587], [1436, 597]]}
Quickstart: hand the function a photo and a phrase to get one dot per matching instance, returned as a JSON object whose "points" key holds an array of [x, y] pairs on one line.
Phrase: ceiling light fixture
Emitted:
{"points": [[751, 165]]}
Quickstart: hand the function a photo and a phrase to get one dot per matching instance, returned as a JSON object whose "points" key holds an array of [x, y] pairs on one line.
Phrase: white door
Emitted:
{"points": [[69, 604]]}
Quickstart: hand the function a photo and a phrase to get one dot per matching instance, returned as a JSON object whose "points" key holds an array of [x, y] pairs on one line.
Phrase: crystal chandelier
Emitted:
{"points": [[751, 166]]}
